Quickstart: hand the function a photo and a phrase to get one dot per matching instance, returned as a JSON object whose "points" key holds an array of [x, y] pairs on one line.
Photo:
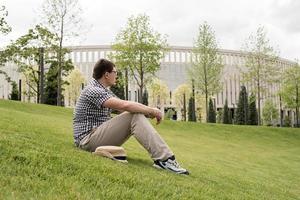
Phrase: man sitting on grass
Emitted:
{"points": [[93, 126]]}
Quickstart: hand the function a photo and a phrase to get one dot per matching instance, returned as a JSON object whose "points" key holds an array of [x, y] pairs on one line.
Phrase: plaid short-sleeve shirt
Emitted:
{"points": [[89, 112]]}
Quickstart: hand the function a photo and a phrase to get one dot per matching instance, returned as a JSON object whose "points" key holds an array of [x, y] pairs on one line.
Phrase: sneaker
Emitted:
{"points": [[171, 165]]}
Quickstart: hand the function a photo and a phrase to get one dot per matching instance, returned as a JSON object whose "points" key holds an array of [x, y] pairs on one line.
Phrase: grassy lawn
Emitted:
{"points": [[38, 161]]}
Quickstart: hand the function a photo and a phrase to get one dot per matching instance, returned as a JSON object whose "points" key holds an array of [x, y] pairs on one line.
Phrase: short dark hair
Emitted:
{"points": [[101, 67]]}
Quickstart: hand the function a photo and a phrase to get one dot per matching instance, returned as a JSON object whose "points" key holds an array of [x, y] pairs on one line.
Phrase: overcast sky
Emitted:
{"points": [[232, 20]]}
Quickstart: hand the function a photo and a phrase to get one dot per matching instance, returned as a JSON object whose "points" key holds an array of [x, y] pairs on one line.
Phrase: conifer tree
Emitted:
{"points": [[226, 113], [252, 120], [191, 113], [14, 93], [241, 116], [211, 112]]}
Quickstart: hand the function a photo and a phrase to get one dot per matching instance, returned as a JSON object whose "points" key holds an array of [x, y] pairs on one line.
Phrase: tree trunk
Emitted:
{"points": [[281, 117], [41, 77], [59, 102], [206, 105], [297, 106], [126, 84], [20, 90], [258, 105], [184, 107], [258, 99]]}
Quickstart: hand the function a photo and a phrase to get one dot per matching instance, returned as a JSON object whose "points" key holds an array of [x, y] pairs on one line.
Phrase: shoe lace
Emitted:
{"points": [[174, 163]]}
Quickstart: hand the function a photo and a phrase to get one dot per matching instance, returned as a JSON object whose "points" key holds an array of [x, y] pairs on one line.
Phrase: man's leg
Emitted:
{"points": [[117, 130]]}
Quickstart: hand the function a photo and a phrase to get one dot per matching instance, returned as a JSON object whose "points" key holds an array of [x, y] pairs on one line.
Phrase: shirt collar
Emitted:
{"points": [[94, 82]]}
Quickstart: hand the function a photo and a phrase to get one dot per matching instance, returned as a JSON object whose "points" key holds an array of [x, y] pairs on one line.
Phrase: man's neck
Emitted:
{"points": [[103, 82]]}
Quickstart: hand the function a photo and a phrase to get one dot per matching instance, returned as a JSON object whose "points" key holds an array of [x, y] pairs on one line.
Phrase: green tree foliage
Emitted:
{"points": [[51, 86], [52, 82], [73, 87], [270, 113], [118, 89], [63, 17], [261, 68], [138, 50], [25, 53], [191, 108], [230, 120], [252, 119], [211, 112], [287, 121], [4, 27], [206, 68], [178, 97], [169, 114], [226, 113], [158, 92], [15, 92], [220, 116], [241, 116], [291, 89], [145, 98]]}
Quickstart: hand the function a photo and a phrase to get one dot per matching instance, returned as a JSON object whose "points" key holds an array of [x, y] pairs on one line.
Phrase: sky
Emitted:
{"points": [[233, 21]]}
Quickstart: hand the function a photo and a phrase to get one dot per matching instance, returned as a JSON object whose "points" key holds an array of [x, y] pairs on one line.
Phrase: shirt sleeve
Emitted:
{"points": [[98, 96]]}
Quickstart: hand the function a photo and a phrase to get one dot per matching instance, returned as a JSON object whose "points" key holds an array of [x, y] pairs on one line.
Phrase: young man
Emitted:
{"points": [[93, 126]]}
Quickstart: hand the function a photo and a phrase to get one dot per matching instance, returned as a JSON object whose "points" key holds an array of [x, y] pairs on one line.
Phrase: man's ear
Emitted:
{"points": [[106, 75]]}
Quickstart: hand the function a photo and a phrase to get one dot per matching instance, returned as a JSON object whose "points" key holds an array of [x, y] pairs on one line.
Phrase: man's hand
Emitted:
{"points": [[155, 112]]}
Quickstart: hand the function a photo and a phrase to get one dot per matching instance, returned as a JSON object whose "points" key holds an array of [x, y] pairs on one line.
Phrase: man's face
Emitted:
{"points": [[113, 77]]}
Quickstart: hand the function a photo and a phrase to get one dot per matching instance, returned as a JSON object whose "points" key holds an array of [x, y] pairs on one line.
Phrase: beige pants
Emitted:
{"points": [[118, 129]]}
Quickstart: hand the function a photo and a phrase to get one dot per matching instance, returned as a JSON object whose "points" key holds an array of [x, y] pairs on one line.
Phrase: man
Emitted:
{"points": [[93, 126]]}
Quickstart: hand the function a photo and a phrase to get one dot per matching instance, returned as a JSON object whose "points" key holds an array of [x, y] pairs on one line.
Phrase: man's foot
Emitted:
{"points": [[171, 165]]}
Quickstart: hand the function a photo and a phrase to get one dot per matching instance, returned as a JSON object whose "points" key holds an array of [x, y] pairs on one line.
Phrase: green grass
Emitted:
{"points": [[38, 161]]}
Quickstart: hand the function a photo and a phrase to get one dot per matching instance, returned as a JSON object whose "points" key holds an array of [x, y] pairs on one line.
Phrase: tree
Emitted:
{"points": [[200, 109], [179, 92], [241, 116], [4, 27], [63, 19], [158, 92], [252, 119], [226, 117], [25, 53], [191, 110], [270, 113], [206, 66], [145, 98], [220, 116], [74, 86], [287, 121], [118, 88], [51, 86], [15, 92], [169, 114], [291, 89], [52, 82], [211, 112], [138, 50], [261, 68], [230, 116]]}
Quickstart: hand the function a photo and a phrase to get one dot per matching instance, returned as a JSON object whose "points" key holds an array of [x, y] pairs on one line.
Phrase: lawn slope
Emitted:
{"points": [[39, 161]]}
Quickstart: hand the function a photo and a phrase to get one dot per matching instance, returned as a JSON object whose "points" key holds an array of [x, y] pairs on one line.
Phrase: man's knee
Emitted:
{"points": [[138, 116]]}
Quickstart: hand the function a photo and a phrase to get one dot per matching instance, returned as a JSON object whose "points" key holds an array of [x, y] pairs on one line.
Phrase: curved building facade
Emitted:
{"points": [[173, 71]]}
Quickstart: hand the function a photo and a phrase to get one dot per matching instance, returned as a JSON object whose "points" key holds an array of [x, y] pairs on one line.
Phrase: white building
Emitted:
{"points": [[173, 71]]}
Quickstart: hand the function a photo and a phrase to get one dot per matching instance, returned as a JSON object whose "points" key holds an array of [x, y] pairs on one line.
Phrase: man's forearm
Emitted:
{"points": [[134, 107]]}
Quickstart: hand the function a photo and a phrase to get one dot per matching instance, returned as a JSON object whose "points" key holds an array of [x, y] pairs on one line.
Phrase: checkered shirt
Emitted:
{"points": [[89, 112]]}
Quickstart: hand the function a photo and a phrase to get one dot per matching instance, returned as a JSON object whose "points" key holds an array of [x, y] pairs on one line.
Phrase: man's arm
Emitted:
{"points": [[133, 107]]}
